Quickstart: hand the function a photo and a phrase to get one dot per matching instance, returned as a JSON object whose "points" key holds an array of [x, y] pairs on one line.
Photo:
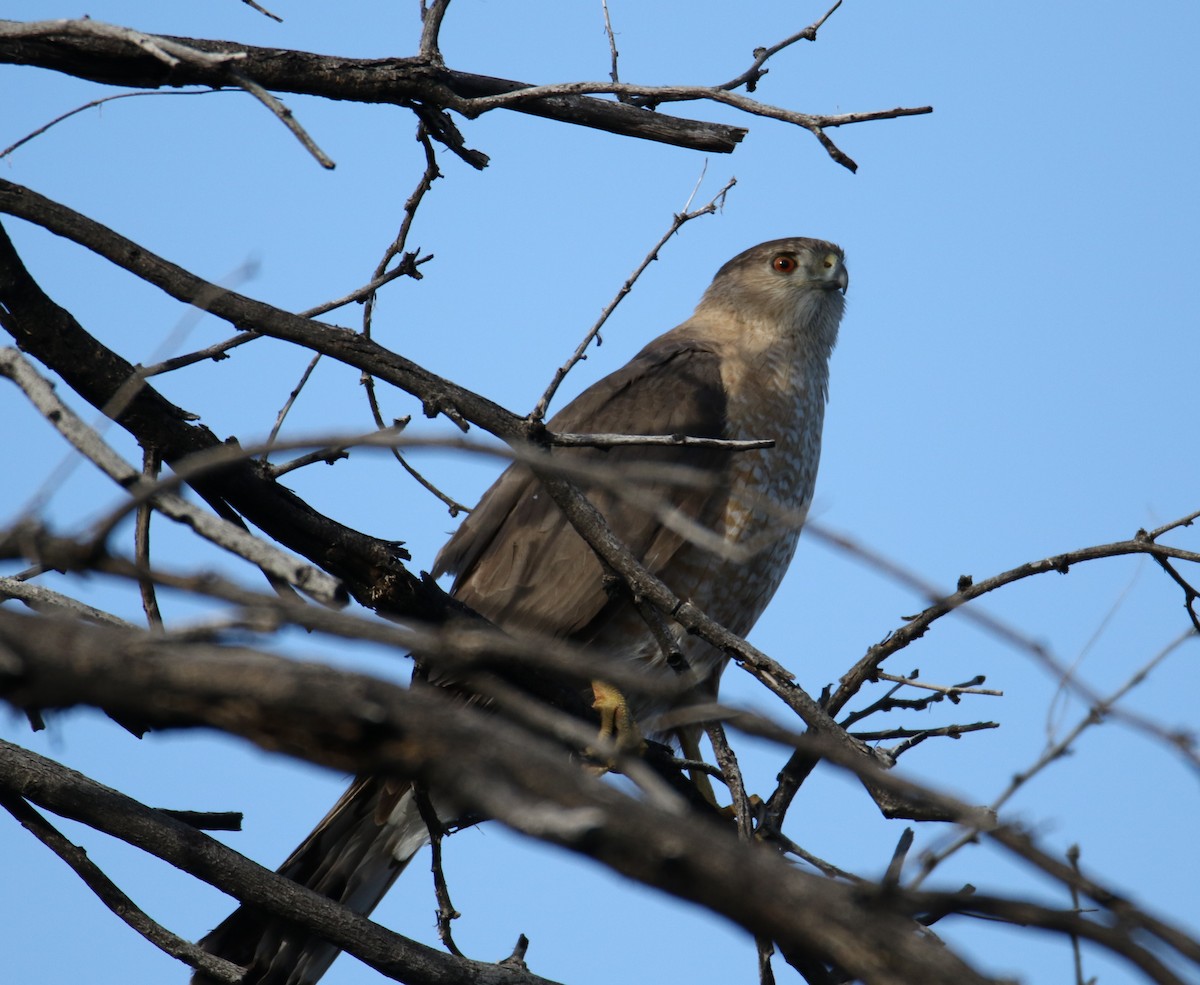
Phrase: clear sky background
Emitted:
{"points": [[1017, 376]]}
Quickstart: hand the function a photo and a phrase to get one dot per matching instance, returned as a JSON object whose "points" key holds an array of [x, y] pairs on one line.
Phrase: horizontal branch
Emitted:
{"points": [[86, 50], [477, 763], [814, 123], [568, 440], [482, 764]]}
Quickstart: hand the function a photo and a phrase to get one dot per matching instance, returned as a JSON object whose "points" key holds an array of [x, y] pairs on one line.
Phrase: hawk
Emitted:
{"points": [[751, 362]]}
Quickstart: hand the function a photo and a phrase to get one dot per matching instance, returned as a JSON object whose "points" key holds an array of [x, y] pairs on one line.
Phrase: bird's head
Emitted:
{"points": [[792, 288]]}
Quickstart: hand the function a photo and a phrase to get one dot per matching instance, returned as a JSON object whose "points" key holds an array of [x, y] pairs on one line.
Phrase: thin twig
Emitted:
{"points": [[914, 737], [286, 117], [326, 455], [151, 467], [1053, 752], [818, 863], [42, 599], [751, 76], [1183, 521], [1190, 592], [92, 104], [891, 878], [218, 350], [918, 625], [263, 10], [568, 439], [172, 53], [678, 220], [731, 774], [445, 911], [221, 532], [612, 43], [290, 403], [949, 690], [889, 702], [395, 248], [814, 123], [1076, 950]]}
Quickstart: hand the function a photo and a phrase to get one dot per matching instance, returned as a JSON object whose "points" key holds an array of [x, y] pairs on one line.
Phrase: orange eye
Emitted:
{"points": [[783, 263]]}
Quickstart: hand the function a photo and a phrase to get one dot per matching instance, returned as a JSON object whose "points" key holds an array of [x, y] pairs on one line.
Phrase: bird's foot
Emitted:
{"points": [[617, 726]]}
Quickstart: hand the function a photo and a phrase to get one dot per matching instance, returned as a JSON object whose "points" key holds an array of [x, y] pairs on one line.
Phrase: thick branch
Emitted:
{"points": [[477, 762], [72, 48], [72, 795], [370, 567]]}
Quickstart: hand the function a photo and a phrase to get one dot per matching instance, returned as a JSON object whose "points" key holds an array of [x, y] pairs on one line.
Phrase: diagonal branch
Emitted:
{"points": [[72, 795], [111, 896], [438, 396]]}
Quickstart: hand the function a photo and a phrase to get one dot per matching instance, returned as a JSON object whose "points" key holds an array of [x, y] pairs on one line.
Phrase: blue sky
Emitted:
{"points": [[1016, 377]]}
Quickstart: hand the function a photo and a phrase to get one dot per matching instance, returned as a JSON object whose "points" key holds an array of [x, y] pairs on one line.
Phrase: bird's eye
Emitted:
{"points": [[783, 263], [830, 261]]}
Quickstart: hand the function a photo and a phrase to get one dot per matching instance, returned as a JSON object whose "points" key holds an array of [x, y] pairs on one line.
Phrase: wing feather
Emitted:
{"points": [[517, 559]]}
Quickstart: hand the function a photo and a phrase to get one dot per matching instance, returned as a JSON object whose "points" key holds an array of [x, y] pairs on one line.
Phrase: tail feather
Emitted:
{"points": [[353, 856]]}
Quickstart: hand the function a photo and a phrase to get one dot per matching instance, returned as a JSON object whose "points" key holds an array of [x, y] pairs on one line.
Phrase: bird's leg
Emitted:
{"points": [[689, 745], [616, 722]]}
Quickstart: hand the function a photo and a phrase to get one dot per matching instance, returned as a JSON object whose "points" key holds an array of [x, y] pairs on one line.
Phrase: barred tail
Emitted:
{"points": [[353, 856]]}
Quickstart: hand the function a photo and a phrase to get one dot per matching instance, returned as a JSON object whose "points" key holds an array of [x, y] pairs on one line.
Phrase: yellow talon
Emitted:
{"points": [[616, 722]]}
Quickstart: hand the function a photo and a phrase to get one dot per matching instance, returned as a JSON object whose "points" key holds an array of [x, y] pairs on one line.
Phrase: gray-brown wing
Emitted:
{"points": [[517, 559]]}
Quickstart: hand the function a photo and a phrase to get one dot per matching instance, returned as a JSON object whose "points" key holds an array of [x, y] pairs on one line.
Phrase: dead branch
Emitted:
{"points": [[70, 794], [484, 764], [112, 897], [479, 763]]}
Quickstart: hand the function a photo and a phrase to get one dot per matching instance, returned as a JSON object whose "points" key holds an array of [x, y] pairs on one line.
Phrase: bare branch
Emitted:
{"points": [[431, 174], [612, 42], [220, 532], [1056, 750], [508, 774], [107, 892], [42, 599], [431, 26], [815, 124], [263, 10], [285, 116], [151, 466], [92, 104], [421, 83], [950, 691], [425, 88], [72, 795], [916, 627], [218, 350], [756, 71], [362, 724]]}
